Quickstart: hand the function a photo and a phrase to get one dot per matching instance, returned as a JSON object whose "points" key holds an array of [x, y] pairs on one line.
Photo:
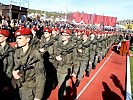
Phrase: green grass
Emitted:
{"points": [[131, 66]]}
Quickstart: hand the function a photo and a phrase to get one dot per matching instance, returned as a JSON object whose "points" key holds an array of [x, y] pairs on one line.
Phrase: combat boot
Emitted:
{"points": [[87, 73], [77, 83]]}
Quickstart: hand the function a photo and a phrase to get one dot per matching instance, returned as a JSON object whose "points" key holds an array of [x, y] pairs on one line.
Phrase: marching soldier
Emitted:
{"points": [[46, 44], [92, 50], [6, 53], [48, 50], [64, 56], [29, 70], [35, 41], [6, 66], [83, 55]]}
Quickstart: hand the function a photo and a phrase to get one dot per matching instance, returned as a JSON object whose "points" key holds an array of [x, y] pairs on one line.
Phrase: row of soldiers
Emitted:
{"points": [[71, 51]]}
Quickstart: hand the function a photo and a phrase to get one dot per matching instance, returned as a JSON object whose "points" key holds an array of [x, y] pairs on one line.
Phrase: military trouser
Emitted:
{"points": [[62, 73], [75, 68], [27, 93], [103, 52], [81, 70], [90, 62], [63, 80], [98, 57]]}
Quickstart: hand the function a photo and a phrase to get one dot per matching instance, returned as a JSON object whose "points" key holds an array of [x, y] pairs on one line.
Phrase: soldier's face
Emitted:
{"points": [[47, 34], [2, 38], [79, 33], [92, 36], [54, 32], [85, 37], [22, 41], [65, 36], [76, 34]]}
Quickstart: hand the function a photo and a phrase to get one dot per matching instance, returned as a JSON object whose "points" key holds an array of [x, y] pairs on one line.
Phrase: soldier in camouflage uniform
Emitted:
{"points": [[77, 41], [46, 45], [6, 66], [83, 56], [35, 41], [6, 53], [64, 56], [56, 39], [103, 46], [92, 46], [98, 48], [29, 70]]}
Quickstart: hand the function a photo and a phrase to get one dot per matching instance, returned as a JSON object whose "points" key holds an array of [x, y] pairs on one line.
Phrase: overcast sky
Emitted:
{"points": [[122, 9]]}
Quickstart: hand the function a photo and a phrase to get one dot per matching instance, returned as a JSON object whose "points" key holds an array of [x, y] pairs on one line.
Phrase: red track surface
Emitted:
{"points": [[108, 83]]}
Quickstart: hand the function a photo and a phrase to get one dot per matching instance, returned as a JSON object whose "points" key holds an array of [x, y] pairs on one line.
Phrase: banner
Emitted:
{"points": [[93, 19]]}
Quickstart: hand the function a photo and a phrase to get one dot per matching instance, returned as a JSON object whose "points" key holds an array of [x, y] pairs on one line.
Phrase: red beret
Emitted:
{"points": [[4, 32], [66, 31], [47, 30], [21, 27], [34, 28], [55, 29], [75, 30], [87, 32], [25, 31]]}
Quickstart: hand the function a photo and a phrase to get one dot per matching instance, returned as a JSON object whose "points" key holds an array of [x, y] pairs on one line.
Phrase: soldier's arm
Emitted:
{"points": [[40, 77], [42, 42], [10, 64], [15, 60]]}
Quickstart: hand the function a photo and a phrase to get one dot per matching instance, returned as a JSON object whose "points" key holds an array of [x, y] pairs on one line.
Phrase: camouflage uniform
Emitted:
{"points": [[35, 42], [48, 48], [66, 63], [6, 67], [31, 83], [7, 57]]}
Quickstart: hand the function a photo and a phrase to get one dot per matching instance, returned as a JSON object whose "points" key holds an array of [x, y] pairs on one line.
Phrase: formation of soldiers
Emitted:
{"points": [[47, 53]]}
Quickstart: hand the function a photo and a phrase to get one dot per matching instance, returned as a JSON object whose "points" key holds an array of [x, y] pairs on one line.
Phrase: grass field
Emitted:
{"points": [[131, 66]]}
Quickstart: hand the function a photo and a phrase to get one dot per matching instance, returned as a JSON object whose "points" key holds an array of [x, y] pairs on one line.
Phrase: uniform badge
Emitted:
{"points": [[18, 33]]}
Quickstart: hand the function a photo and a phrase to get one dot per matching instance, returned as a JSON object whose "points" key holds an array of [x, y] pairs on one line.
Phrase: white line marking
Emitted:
{"points": [[128, 85], [93, 77]]}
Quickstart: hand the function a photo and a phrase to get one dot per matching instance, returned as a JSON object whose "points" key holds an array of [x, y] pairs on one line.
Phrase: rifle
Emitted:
{"points": [[49, 43], [23, 68], [66, 51], [6, 54]]}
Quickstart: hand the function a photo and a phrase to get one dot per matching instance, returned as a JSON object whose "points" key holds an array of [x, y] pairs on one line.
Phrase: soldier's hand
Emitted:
{"points": [[58, 58], [16, 74], [80, 50], [41, 50], [36, 99]]}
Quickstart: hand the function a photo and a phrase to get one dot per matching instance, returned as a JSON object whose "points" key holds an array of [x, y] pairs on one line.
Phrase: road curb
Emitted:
{"points": [[128, 81]]}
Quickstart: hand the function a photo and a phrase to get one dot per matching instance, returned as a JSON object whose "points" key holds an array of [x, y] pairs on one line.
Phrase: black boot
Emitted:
{"points": [[93, 65], [87, 73], [77, 83]]}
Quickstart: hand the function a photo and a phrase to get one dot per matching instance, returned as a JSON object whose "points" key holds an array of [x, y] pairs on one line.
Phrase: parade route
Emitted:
{"points": [[106, 82]]}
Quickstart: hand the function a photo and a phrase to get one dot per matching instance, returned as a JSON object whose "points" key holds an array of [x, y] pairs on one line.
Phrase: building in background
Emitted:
{"points": [[13, 11]]}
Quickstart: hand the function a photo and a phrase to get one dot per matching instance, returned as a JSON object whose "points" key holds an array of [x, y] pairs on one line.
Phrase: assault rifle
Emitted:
{"points": [[23, 68], [6, 54], [49, 43]]}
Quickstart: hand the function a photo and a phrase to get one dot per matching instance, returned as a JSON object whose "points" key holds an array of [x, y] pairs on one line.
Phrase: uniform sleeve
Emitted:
{"points": [[40, 77], [59, 50], [10, 64], [15, 60], [42, 41]]}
